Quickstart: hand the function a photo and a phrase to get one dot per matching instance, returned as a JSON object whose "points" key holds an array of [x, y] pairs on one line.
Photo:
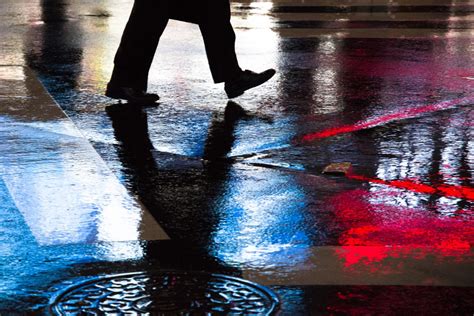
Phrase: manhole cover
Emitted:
{"points": [[165, 293]]}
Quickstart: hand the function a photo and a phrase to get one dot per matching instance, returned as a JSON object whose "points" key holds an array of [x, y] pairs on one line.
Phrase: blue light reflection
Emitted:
{"points": [[261, 223]]}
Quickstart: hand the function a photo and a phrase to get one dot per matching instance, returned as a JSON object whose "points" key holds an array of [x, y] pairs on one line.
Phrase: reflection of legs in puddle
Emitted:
{"points": [[175, 194], [221, 137], [131, 130], [142, 34], [177, 186]]}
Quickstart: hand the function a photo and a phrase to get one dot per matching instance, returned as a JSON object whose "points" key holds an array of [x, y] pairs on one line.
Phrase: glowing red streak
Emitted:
{"points": [[387, 118], [456, 191], [370, 227]]}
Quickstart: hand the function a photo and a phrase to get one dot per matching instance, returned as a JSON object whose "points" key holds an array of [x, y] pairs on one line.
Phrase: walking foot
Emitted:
{"points": [[246, 80], [132, 95]]}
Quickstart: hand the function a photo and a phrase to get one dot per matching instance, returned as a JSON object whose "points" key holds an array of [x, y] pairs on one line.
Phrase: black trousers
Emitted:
{"points": [[146, 25]]}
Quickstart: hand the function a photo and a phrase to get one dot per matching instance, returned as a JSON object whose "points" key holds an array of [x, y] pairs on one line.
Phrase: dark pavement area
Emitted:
{"points": [[238, 186]]}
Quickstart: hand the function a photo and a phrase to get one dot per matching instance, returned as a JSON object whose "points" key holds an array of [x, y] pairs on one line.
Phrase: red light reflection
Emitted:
{"points": [[387, 118], [456, 191], [405, 230]]}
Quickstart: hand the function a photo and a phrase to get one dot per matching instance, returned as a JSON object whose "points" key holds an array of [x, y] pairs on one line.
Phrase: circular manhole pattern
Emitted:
{"points": [[165, 293]]}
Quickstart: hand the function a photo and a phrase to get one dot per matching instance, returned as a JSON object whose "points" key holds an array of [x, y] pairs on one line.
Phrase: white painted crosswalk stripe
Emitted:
{"points": [[368, 265], [59, 183], [365, 19]]}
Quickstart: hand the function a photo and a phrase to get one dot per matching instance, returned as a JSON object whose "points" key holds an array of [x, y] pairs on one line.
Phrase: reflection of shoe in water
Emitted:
{"points": [[130, 128], [233, 111], [246, 80], [132, 95]]}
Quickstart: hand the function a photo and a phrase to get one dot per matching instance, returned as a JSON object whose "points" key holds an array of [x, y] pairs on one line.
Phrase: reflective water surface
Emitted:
{"points": [[385, 86]]}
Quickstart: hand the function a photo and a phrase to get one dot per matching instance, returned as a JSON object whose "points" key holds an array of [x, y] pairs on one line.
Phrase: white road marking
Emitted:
{"points": [[59, 183]]}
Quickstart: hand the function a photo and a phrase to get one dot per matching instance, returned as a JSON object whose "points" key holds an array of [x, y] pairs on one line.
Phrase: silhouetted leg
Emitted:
{"points": [[139, 42], [213, 18], [221, 135], [219, 40]]}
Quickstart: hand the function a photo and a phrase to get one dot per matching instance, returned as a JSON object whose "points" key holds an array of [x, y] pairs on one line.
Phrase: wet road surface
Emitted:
{"points": [[236, 187]]}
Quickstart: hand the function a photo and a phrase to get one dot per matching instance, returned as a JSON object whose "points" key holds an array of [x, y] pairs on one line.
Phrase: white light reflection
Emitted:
{"points": [[66, 193], [408, 156], [326, 87], [386, 195], [262, 226], [257, 43], [118, 251], [451, 155], [470, 150], [456, 139], [413, 152], [11, 87], [15, 73], [460, 50], [102, 37], [412, 156]]}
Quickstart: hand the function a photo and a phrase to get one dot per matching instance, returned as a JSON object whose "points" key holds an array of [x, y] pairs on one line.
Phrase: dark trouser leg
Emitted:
{"points": [[213, 18], [138, 45], [219, 40]]}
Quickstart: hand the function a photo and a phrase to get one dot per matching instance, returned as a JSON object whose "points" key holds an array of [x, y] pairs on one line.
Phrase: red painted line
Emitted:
{"points": [[387, 118], [457, 191]]}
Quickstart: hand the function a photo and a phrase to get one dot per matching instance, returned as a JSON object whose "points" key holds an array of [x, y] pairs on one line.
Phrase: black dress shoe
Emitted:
{"points": [[246, 80], [132, 95]]}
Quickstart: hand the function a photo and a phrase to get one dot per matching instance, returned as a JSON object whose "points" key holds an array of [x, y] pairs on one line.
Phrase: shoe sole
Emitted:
{"points": [[119, 96], [239, 92]]}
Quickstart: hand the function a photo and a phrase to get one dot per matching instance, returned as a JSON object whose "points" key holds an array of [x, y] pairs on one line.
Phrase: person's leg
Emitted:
{"points": [[219, 40], [213, 18], [138, 44]]}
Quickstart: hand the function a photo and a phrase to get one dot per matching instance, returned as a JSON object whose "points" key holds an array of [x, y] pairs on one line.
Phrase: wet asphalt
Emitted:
{"points": [[238, 185]]}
